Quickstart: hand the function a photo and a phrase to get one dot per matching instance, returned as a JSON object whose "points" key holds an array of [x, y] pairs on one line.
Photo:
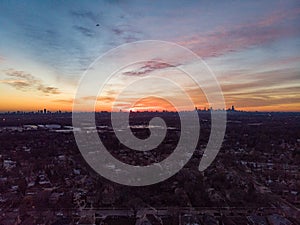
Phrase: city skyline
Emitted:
{"points": [[251, 48]]}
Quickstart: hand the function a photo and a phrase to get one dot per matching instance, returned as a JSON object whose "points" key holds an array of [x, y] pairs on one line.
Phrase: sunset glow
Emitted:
{"points": [[252, 48]]}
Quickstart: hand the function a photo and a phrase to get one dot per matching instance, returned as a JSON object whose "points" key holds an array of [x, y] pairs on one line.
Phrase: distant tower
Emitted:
{"points": [[232, 108], [45, 111]]}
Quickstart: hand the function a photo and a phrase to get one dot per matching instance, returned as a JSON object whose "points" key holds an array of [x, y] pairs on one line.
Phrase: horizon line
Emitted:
{"points": [[140, 111]]}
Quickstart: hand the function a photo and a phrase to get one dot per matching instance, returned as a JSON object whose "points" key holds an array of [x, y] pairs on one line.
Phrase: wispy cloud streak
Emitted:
{"points": [[237, 37], [25, 82], [148, 67]]}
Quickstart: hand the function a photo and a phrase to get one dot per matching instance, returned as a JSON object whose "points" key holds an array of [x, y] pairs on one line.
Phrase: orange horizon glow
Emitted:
{"points": [[146, 104], [28, 102]]}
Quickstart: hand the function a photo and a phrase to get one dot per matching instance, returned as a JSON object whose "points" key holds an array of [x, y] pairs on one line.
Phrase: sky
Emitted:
{"points": [[252, 47]]}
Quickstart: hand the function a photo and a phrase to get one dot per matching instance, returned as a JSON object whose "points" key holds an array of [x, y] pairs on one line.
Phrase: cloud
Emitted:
{"points": [[269, 88], [259, 81], [20, 74], [93, 98], [64, 101], [228, 39], [261, 100], [85, 31], [149, 67], [222, 42], [106, 99], [265, 88], [126, 33], [278, 16], [284, 61], [86, 14], [48, 90], [18, 84], [117, 31], [25, 82]]}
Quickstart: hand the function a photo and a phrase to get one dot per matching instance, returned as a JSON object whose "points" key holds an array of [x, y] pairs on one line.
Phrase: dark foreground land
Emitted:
{"points": [[255, 178]]}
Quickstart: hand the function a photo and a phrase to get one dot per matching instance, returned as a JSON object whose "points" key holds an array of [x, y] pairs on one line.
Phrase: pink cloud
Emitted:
{"points": [[147, 68], [228, 39], [279, 16], [285, 61]]}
